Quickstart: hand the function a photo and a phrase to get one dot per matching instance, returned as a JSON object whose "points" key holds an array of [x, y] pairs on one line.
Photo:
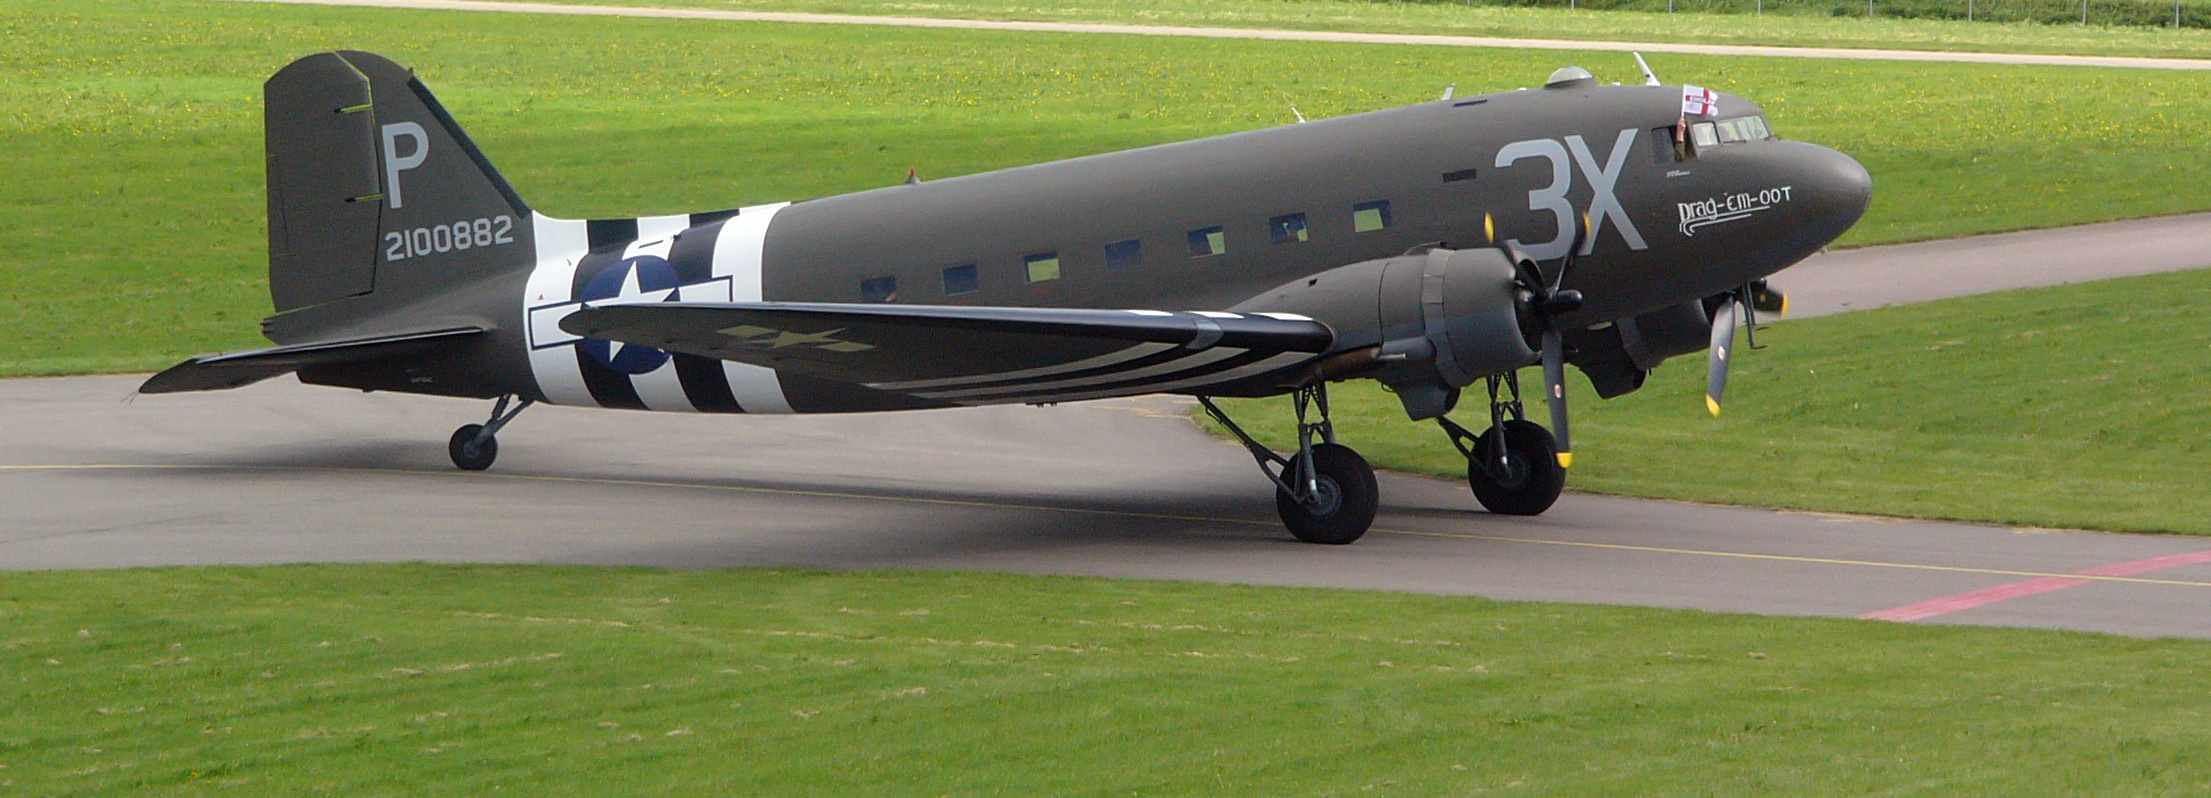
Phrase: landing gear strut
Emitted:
{"points": [[474, 446], [1513, 466], [1325, 492]]}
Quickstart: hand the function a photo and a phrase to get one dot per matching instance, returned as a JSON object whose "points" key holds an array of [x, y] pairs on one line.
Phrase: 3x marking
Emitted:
{"points": [[1564, 158]]}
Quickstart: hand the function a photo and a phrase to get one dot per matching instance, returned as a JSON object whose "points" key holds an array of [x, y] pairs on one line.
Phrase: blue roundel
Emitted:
{"points": [[638, 277]]}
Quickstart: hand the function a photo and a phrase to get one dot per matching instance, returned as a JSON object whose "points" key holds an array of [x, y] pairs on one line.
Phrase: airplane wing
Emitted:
{"points": [[975, 355], [234, 369]]}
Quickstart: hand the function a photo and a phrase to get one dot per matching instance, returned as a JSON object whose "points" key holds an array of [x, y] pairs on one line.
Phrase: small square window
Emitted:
{"points": [[1703, 134], [879, 289], [1287, 229], [1123, 254], [1367, 217], [1208, 241], [1042, 266], [959, 279]]}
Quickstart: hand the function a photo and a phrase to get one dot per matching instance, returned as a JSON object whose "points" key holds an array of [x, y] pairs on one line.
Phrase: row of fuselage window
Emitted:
{"points": [[1204, 242]]}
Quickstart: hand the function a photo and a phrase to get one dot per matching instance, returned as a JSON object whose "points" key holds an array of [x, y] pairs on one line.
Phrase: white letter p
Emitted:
{"points": [[393, 162]]}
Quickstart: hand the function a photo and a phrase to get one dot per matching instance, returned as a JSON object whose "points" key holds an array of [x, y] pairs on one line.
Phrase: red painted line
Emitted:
{"points": [[2031, 587]]}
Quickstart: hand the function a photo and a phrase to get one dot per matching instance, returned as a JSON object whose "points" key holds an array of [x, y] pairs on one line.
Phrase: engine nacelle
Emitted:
{"points": [[1423, 323], [1617, 356]]}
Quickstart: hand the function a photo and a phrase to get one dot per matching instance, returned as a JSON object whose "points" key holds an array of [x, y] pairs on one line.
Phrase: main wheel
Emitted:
{"points": [[468, 455], [1344, 505], [1528, 481]]}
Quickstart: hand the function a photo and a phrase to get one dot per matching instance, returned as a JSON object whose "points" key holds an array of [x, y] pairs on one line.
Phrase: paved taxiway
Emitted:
{"points": [[281, 472]]}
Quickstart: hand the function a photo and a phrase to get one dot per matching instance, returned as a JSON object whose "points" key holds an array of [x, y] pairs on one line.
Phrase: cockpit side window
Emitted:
{"points": [[1668, 146], [1703, 135]]}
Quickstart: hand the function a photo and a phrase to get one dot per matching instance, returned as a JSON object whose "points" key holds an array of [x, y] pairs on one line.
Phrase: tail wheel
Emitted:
{"points": [[1341, 508], [1527, 481]]}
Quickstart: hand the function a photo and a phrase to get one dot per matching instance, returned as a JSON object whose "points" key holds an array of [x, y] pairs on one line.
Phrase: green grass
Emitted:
{"points": [[412, 679], [2079, 406], [1935, 24], [133, 233]]}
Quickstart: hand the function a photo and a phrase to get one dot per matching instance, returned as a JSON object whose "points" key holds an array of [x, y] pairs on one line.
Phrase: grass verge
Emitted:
{"points": [[134, 232], [421, 679], [2077, 406], [1784, 23]]}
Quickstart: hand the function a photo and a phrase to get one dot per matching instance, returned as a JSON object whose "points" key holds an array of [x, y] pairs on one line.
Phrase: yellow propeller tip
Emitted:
{"points": [[1784, 306], [1566, 459], [1712, 405]]}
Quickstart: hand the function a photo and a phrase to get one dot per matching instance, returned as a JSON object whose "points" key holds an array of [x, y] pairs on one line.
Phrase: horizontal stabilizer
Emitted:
{"points": [[975, 355], [235, 369]]}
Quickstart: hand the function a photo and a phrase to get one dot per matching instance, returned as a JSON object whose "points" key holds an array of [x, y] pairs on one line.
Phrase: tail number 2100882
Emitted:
{"points": [[439, 239]]}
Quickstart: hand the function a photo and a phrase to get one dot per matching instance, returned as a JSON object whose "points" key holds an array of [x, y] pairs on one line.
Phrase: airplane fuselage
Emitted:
{"points": [[1204, 224]]}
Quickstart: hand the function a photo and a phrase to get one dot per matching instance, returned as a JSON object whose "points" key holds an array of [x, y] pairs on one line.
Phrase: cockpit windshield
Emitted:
{"points": [[1730, 131]]}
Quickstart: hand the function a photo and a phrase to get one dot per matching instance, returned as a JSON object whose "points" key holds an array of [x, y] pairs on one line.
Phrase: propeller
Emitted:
{"points": [[1723, 344], [1748, 300], [1550, 302]]}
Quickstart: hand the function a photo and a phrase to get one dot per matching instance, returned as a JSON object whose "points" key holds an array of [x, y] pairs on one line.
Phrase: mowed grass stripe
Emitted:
{"points": [[1275, 34], [1783, 23], [465, 680], [135, 232]]}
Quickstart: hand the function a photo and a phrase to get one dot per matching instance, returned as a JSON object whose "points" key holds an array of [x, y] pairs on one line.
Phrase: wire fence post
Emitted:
{"points": [[1969, 10], [2083, 12], [1869, 9]]}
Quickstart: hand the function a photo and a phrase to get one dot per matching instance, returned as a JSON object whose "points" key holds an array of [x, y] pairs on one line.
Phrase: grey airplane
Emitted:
{"points": [[1431, 247]]}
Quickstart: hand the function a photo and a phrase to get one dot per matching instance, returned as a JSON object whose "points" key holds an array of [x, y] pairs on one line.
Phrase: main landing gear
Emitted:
{"points": [[1514, 465], [474, 446], [1325, 492]]}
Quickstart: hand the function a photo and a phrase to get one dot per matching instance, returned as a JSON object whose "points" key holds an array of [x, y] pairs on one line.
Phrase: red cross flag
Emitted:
{"points": [[1699, 100]]}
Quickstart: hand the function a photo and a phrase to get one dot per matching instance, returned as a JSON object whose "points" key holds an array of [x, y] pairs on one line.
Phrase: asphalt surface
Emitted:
{"points": [[91, 477], [501, 6], [1872, 277]]}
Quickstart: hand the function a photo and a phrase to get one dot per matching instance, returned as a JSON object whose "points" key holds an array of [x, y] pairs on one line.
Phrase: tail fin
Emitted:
{"points": [[374, 190]]}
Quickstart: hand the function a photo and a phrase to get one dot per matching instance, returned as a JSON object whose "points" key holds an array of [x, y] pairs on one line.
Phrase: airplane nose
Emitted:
{"points": [[1841, 185]]}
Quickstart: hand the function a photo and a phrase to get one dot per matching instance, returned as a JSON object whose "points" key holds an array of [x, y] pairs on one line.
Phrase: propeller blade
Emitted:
{"points": [[1723, 348], [1554, 391], [1581, 232]]}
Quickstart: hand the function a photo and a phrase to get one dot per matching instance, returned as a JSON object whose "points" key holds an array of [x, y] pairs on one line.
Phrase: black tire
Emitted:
{"points": [[1349, 498], [472, 458], [1532, 478]]}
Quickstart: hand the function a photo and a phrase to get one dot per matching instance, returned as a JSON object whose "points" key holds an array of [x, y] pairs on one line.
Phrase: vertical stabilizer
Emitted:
{"points": [[374, 190]]}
